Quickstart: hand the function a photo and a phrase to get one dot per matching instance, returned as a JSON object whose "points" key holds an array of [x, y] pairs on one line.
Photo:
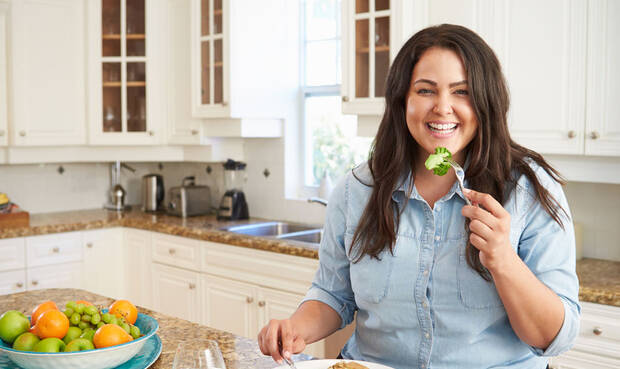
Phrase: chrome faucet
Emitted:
{"points": [[318, 199]]}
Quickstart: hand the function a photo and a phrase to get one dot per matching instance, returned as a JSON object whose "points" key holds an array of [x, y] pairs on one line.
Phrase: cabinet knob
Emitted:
{"points": [[224, 103], [55, 250], [1, 132], [261, 303], [194, 132], [151, 133], [89, 245], [34, 283], [192, 286], [22, 133], [572, 134], [597, 331], [345, 99], [594, 135], [19, 285], [172, 251], [249, 299]]}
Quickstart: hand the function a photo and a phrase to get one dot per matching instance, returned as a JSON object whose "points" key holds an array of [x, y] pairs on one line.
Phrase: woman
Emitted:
{"points": [[436, 283]]}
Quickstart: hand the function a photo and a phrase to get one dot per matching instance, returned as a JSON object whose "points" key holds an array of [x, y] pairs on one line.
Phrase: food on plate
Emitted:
{"points": [[438, 162], [347, 365]]}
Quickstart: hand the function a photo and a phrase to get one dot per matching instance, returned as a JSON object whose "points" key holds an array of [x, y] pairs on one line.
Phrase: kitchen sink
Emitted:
{"points": [[310, 236], [280, 230]]}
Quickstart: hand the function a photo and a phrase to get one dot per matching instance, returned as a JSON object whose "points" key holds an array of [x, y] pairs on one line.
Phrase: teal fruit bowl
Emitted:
{"points": [[103, 358]]}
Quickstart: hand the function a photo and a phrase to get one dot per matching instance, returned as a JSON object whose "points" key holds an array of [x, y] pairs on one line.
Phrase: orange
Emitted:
{"points": [[52, 323], [124, 309], [84, 302], [110, 335], [40, 309]]}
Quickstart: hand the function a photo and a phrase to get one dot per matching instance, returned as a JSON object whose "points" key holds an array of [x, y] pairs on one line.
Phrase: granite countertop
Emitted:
{"points": [[238, 352], [599, 279]]}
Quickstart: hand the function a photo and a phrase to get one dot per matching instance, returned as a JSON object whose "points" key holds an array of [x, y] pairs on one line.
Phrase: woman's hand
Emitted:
{"points": [[490, 229], [279, 337]]}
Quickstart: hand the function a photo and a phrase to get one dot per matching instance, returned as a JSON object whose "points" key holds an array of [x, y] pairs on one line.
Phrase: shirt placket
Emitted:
{"points": [[422, 303]]}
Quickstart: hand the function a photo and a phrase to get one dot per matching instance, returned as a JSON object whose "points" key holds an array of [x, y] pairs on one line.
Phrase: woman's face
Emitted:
{"points": [[439, 110]]}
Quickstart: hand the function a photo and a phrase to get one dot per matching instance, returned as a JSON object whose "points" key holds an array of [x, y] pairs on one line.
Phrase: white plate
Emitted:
{"points": [[324, 364]]}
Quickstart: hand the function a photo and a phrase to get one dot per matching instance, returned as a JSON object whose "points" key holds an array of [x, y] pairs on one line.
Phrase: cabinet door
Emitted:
{"points": [[602, 124], [104, 262], [543, 54], [53, 249], [229, 305], [3, 69], [67, 275], [12, 282], [138, 267], [274, 304], [176, 292], [47, 84], [13, 251], [582, 360]]}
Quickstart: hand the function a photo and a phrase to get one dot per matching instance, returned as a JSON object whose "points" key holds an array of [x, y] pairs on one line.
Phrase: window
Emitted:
{"points": [[330, 138]]}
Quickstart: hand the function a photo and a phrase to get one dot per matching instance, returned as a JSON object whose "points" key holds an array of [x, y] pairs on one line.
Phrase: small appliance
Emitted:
{"points": [[233, 205], [152, 192], [188, 199], [117, 193]]}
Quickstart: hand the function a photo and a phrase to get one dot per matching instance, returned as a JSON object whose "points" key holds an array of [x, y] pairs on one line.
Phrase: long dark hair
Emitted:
{"points": [[493, 155]]}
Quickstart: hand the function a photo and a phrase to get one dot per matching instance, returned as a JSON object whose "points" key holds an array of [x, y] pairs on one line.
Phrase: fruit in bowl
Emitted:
{"points": [[81, 336]]}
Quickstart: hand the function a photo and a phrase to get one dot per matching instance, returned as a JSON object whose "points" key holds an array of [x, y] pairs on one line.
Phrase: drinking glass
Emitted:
{"points": [[198, 355]]}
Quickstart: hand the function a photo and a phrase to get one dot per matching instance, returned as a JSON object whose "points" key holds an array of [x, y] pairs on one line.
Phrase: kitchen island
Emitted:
{"points": [[239, 352]]}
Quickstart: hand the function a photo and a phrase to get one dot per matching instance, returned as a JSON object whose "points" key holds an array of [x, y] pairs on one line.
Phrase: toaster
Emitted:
{"points": [[188, 199]]}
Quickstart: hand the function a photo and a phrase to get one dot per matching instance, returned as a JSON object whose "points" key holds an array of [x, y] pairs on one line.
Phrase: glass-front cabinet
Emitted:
{"points": [[122, 111], [369, 46]]}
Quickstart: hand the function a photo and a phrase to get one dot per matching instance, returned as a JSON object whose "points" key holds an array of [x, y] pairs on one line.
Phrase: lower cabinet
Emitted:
{"points": [[104, 262], [176, 292], [67, 275], [12, 281], [137, 254]]}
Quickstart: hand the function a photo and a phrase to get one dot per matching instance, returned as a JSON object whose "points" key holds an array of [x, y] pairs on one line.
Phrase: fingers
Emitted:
{"points": [[481, 229], [476, 213], [287, 339], [276, 339], [487, 201]]}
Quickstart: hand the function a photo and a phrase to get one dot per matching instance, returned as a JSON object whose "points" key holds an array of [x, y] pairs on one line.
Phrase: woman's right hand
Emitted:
{"points": [[279, 337]]}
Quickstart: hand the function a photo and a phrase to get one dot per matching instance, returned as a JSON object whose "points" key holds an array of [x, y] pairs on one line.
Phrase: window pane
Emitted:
{"points": [[322, 63], [322, 19], [332, 146]]}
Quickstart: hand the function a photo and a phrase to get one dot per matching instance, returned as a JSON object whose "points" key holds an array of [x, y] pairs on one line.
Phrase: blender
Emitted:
{"points": [[233, 205]]}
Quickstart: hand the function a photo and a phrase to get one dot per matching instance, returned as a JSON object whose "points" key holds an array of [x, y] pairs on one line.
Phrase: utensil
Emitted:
{"points": [[198, 355], [290, 363], [460, 174]]}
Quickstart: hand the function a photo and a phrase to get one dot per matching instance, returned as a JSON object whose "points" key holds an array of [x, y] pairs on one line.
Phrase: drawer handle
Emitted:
{"points": [[89, 245], [34, 283], [192, 286], [572, 134], [172, 251], [249, 299], [19, 285], [597, 331], [261, 303], [55, 250]]}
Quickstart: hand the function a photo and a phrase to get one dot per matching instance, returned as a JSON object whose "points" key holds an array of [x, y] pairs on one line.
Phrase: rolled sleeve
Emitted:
{"points": [[332, 284], [566, 337]]}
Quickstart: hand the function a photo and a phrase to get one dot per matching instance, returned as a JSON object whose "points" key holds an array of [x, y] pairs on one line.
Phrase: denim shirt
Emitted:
{"points": [[423, 306]]}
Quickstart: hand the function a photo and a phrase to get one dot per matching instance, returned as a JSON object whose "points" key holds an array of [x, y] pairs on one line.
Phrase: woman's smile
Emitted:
{"points": [[442, 129]]}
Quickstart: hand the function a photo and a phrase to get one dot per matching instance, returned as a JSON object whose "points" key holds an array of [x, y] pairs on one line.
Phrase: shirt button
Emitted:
{"points": [[437, 238], [426, 272], [425, 304], [427, 335], [423, 366]]}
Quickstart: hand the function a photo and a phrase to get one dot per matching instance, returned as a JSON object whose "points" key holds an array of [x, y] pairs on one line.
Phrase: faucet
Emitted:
{"points": [[318, 199]]}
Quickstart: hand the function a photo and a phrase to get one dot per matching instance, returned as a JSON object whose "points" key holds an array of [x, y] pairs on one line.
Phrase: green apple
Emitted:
{"points": [[26, 342], [79, 344], [88, 333], [72, 333], [12, 324], [51, 344]]}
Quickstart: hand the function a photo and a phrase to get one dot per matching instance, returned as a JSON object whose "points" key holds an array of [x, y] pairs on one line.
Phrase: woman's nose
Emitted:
{"points": [[443, 105]]}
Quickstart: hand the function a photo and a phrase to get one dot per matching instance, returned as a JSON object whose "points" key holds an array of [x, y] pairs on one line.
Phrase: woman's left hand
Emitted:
{"points": [[490, 229]]}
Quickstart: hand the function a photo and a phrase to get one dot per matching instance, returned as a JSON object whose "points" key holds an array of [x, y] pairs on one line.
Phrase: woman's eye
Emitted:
{"points": [[462, 92], [424, 91]]}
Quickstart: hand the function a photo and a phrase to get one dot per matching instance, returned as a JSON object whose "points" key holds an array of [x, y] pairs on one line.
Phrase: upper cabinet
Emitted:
{"points": [[125, 76], [46, 89], [4, 7], [238, 58]]}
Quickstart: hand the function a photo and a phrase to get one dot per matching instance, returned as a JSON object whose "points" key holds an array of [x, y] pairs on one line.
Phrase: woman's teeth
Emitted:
{"points": [[442, 127]]}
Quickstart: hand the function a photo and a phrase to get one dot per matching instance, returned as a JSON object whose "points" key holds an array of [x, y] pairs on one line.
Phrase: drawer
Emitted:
{"points": [[176, 251], [53, 249], [600, 330], [12, 282], [13, 251], [67, 275]]}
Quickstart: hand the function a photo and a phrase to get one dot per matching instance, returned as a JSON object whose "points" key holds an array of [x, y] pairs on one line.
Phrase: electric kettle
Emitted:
{"points": [[152, 192]]}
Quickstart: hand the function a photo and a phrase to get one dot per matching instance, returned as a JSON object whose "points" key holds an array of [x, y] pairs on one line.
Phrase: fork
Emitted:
{"points": [[290, 362], [460, 174]]}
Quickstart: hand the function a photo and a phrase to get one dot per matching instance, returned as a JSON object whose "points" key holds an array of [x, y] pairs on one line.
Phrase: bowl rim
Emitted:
{"points": [[85, 352]]}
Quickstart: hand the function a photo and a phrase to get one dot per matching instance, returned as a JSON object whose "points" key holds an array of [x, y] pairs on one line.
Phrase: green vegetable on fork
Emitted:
{"points": [[439, 162]]}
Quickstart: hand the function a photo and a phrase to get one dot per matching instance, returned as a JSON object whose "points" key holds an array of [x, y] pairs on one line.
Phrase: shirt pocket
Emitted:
{"points": [[474, 292], [370, 277]]}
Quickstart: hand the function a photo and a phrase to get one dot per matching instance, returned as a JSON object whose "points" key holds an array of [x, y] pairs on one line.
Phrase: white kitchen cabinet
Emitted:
{"points": [[236, 58], [176, 292], [53, 249], [598, 344], [125, 72], [104, 264], [4, 8], [65, 275], [12, 282], [13, 251], [137, 244], [47, 61]]}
